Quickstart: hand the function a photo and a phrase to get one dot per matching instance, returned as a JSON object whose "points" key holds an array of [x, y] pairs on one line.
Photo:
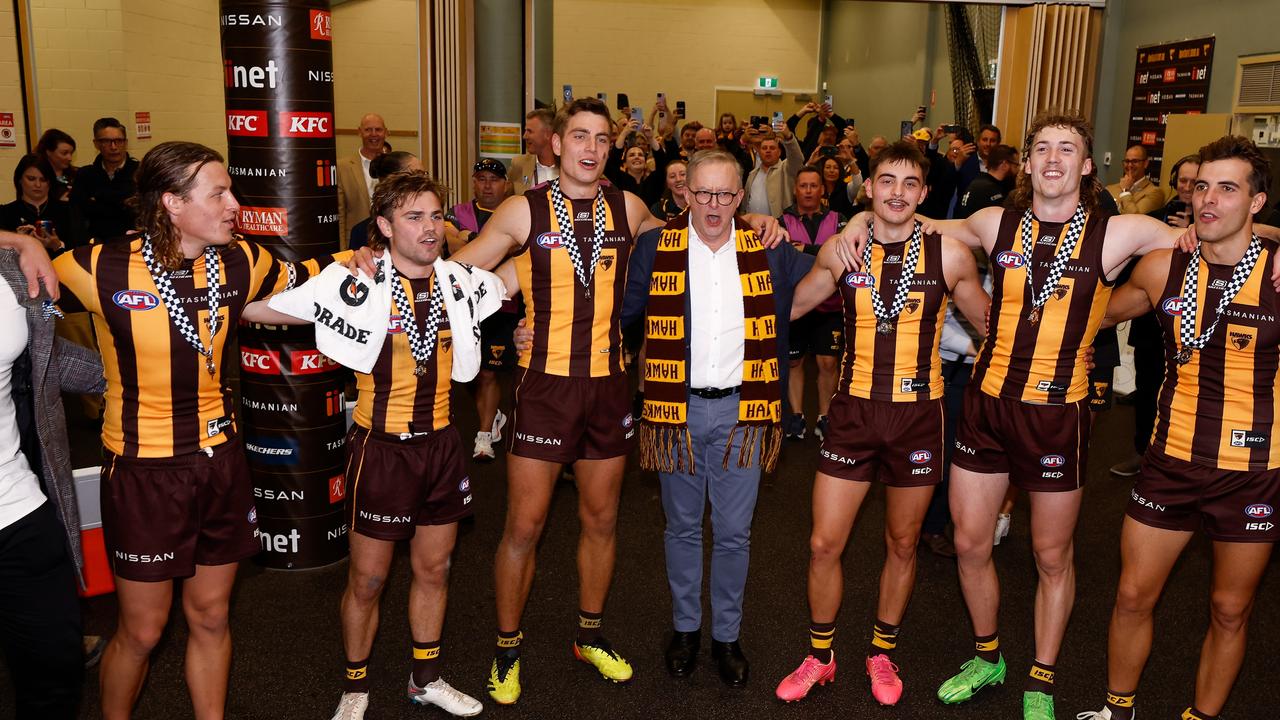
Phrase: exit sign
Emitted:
{"points": [[767, 84]]}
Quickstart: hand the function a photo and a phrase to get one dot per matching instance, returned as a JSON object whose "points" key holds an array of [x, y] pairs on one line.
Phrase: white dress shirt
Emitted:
{"points": [[19, 488], [544, 173], [716, 329], [369, 182]]}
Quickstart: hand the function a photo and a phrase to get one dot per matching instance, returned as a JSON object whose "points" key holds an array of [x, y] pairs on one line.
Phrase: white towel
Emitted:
{"points": [[351, 312]]}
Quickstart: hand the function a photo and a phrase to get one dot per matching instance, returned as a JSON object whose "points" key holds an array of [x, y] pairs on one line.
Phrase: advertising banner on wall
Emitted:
{"points": [[1170, 78], [277, 62]]}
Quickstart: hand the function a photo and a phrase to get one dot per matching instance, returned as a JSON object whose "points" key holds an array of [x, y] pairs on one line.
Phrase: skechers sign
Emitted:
{"points": [[134, 300], [273, 450]]}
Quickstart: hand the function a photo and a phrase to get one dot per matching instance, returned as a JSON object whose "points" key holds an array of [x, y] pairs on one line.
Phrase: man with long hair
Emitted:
{"points": [[176, 498]]}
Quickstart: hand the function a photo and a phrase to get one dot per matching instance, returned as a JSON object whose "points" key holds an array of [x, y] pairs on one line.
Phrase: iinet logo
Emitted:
{"points": [[306, 124]]}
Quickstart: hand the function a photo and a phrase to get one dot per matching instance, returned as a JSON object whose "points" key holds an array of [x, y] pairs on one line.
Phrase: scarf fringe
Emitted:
{"points": [[761, 443], [666, 448]]}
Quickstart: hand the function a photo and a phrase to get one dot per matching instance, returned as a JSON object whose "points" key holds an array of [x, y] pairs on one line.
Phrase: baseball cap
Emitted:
{"points": [[490, 165]]}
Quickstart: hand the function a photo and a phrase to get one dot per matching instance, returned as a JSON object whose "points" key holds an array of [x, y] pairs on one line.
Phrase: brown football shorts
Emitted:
{"points": [[1043, 448], [563, 419], [163, 516], [898, 443], [398, 484]]}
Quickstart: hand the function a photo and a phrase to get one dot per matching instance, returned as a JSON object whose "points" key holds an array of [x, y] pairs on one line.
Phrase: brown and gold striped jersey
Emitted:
{"points": [[1221, 408], [1043, 362], [575, 334], [901, 366], [392, 399], [160, 400]]}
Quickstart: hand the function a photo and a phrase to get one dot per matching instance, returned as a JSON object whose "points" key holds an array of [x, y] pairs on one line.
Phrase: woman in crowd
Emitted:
{"points": [[628, 166], [835, 189], [672, 202], [35, 213], [55, 151]]}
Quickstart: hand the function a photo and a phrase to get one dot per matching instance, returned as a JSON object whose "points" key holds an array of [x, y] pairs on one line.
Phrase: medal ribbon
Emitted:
{"points": [[173, 304], [1187, 337], [1075, 229], [910, 259], [586, 274]]}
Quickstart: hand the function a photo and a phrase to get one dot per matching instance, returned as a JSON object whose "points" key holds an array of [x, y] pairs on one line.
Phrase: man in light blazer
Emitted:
{"points": [[355, 184], [538, 165]]}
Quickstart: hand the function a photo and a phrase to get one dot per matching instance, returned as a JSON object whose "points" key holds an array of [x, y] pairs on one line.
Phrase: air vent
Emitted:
{"points": [[1260, 84]]}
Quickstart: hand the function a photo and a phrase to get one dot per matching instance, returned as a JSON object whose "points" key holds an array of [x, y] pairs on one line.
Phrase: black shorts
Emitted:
{"points": [[1231, 505], [563, 419], [396, 485], [899, 443], [1043, 448], [496, 341], [816, 333], [163, 516]]}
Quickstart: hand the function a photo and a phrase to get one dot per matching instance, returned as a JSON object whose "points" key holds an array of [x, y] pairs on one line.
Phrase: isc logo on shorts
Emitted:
{"points": [[550, 240], [1011, 260], [1052, 461], [920, 457], [859, 280], [1172, 306], [1258, 511], [133, 300]]}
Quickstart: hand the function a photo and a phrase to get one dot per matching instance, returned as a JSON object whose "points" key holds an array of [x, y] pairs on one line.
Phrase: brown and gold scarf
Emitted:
{"points": [[664, 430]]}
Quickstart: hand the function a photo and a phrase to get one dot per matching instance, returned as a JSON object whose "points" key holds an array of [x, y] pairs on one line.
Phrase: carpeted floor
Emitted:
{"points": [[288, 654]]}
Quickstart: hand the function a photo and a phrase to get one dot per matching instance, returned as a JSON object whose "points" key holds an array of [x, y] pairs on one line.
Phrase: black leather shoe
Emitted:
{"points": [[682, 652], [733, 665]]}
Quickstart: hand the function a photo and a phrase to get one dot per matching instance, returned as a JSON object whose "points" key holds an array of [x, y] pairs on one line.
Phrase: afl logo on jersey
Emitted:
{"points": [[395, 325], [1053, 461], [920, 457], [135, 300], [1172, 306], [1258, 511], [1010, 260], [859, 280], [550, 240]]}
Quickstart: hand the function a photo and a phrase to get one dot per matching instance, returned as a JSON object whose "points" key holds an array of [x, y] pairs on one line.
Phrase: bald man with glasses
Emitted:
{"points": [[1136, 194]]}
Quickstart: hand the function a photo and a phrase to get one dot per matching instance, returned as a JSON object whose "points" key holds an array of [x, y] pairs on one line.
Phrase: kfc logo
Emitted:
{"points": [[306, 125], [135, 300], [264, 221], [260, 362], [320, 25], [310, 362], [247, 123]]}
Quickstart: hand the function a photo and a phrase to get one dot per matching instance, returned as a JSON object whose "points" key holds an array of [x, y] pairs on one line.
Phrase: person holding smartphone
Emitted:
{"points": [[32, 213]]}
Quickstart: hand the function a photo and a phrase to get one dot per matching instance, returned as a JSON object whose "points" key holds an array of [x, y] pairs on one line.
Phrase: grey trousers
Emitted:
{"points": [[733, 502]]}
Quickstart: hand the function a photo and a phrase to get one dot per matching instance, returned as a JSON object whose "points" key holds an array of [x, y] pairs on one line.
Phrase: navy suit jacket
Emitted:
{"points": [[787, 265]]}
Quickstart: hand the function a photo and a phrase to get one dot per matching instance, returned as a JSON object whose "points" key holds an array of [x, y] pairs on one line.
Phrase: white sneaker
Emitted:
{"points": [[1103, 714], [1002, 527], [484, 447], [499, 422], [444, 696], [351, 706]]}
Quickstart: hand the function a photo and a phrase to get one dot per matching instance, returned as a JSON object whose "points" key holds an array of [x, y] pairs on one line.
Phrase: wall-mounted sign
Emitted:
{"points": [[142, 125], [1169, 78]]}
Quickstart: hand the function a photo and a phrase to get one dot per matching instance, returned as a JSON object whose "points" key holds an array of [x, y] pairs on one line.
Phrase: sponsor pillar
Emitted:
{"points": [[278, 73]]}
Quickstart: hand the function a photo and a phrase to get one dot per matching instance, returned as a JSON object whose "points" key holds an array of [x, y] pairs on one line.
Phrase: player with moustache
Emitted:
{"points": [[886, 420]]}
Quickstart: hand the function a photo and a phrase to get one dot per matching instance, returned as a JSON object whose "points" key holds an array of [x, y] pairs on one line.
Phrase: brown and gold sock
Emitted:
{"points": [[1192, 713], [508, 643], [426, 662], [357, 679], [1120, 705], [589, 627], [988, 647], [820, 638], [884, 639], [1040, 679]]}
